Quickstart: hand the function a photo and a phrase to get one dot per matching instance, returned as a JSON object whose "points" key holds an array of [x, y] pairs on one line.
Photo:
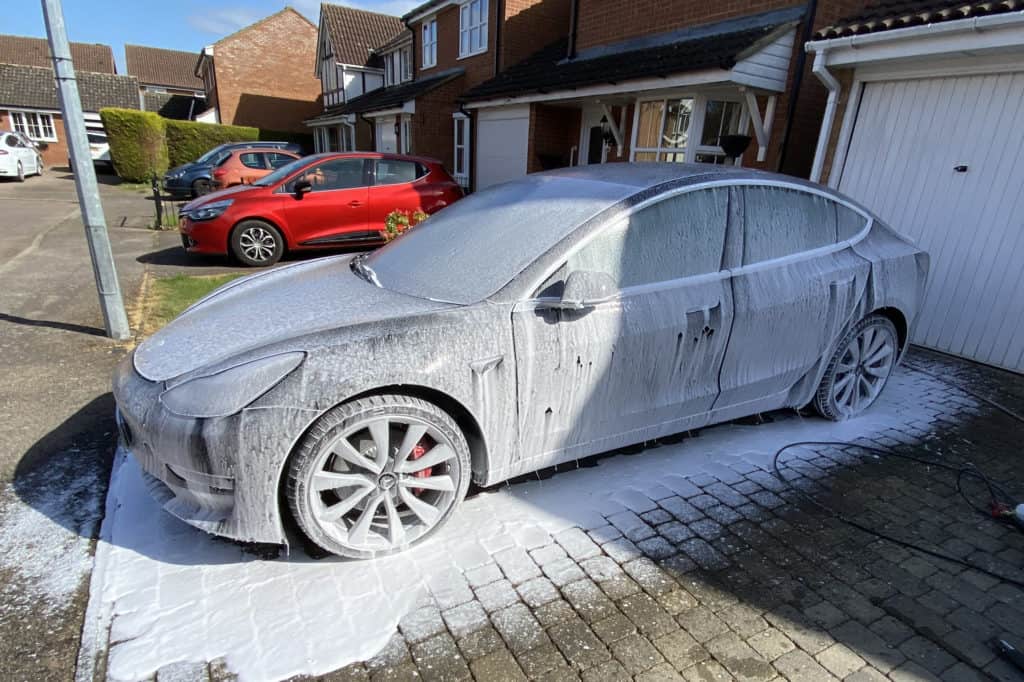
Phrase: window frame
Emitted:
{"points": [[462, 152], [531, 286], [428, 43], [466, 48], [694, 130], [288, 186], [405, 134], [262, 156], [47, 130], [398, 66], [421, 172]]}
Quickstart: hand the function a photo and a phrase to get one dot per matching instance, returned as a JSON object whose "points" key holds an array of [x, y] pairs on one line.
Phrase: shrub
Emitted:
{"points": [[399, 221], [188, 140], [137, 145]]}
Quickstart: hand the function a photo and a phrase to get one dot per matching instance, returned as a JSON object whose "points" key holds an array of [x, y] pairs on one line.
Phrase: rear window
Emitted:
{"points": [[252, 159], [394, 171]]}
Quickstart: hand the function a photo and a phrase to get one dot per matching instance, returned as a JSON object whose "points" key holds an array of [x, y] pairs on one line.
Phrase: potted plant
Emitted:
{"points": [[399, 221]]}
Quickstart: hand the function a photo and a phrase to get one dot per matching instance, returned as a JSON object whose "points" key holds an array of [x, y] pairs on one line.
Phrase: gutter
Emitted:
{"points": [[798, 81], [820, 70]]}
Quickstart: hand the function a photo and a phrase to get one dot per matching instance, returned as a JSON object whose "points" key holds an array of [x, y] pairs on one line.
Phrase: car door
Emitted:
{"points": [[646, 362], [798, 285], [395, 187], [334, 210], [23, 154]]}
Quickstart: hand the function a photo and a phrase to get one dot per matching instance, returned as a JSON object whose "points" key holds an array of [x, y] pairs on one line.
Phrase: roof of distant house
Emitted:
{"points": [[707, 46], [393, 96], [36, 52], [886, 15], [356, 33], [157, 66], [181, 107], [34, 87]]}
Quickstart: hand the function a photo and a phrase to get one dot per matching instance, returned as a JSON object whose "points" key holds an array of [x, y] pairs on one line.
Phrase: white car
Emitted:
{"points": [[18, 157]]}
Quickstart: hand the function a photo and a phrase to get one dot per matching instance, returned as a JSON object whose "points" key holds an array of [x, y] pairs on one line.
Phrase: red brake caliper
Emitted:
{"points": [[418, 451]]}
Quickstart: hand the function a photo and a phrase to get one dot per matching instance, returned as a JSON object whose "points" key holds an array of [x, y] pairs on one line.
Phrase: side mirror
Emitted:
{"points": [[302, 187], [584, 289]]}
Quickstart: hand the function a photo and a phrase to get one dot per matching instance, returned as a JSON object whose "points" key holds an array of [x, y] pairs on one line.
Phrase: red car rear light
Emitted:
{"points": [[220, 173]]}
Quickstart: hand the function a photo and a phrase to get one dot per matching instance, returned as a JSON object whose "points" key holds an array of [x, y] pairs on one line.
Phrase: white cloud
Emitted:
{"points": [[221, 22]]}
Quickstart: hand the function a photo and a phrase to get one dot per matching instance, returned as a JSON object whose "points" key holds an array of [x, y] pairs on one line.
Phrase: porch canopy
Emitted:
{"points": [[731, 60]]}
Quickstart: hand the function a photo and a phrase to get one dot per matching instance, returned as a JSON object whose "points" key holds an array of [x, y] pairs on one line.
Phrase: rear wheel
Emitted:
{"points": [[255, 243], [200, 187], [859, 369], [378, 475], [39, 166], [21, 172]]}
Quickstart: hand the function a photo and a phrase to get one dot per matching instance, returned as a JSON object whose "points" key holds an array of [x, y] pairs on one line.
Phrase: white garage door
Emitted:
{"points": [[502, 135], [942, 161]]}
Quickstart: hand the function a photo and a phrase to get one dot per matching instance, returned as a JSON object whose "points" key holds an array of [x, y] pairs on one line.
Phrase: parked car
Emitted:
{"points": [[19, 156], [196, 178], [99, 149], [325, 200], [535, 322], [245, 166]]}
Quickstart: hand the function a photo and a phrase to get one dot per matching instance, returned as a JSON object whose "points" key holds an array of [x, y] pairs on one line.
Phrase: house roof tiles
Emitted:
{"points": [[886, 15], [36, 52], [157, 66], [34, 87], [356, 33]]}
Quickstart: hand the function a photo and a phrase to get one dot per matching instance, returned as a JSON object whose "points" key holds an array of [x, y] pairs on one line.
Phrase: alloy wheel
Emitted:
{"points": [[258, 244], [863, 369], [383, 482]]}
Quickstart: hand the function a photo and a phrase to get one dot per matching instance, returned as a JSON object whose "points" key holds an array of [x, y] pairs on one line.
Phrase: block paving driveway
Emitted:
{"points": [[732, 574]]}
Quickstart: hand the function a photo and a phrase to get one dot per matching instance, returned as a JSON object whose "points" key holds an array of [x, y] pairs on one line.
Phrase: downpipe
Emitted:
{"points": [[832, 85]]}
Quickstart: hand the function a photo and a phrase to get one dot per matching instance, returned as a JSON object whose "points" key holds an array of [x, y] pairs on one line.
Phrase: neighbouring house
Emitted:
{"points": [[262, 75], [924, 126], [167, 80], [450, 47], [26, 51], [348, 66], [29, 104]]}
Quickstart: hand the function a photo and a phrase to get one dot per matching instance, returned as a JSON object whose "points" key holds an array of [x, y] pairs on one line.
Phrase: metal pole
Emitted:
{"points": [[114, 317]]}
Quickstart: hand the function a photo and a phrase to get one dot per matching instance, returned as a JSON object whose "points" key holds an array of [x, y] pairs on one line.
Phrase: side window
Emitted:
{"points": [[678, 237], [849, 223], [252, 160], [336, 174], [393, 171], [278, 160], [780, 222]]}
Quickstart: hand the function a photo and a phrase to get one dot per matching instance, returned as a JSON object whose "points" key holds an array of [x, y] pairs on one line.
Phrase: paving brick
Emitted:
{"points": [[911, 672], [537, 592], [894, 632], [554, 612], [840, 660], [799, 629], [438, 658], [578, 544], [961, 672], [702, 624], [483, 575], [609, 671], [867, 674], [868, 645], [680, 649], [738, 658], [825, 614], [631, 525], [968, 646], [622, 550], [636, 654], [674, 531], [579, 644], [647, 615], [613, 628], [657, 548], [588, 600], [770, 643], [517, 565], [539, 661], [681, 509], [656, 517], [619, 587], [797, 666], [420, 624], [927, 654], [466, 618], [184, 671], [676, 601], [743, 619], [480, 643], [649, 576], [548, 554], [706, 671], [499, 666], [563, 572], [450, 589], [663, 672], [704, 555], [519, 628], [604, 534], [601, 568]]}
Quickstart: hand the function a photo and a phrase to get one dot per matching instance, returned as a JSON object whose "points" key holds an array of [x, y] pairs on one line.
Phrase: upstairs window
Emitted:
{"points": [[473, 28], [398, 66], [429, 43]]}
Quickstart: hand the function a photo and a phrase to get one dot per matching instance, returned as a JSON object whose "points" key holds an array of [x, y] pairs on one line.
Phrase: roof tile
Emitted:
{"points": [[157, 66], [885, 15], [34, 87], [356, 33], [36, 52]]}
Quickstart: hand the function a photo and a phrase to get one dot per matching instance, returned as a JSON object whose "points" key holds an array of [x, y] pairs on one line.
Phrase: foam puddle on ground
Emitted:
{"points": [[170, 593]]}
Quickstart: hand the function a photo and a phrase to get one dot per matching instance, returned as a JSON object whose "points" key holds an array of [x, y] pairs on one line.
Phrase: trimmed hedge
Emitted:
{"points": [[188, 140], [137, 143]]}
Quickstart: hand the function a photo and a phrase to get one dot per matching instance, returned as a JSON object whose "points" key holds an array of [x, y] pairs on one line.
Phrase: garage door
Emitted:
{"points": [[942, 160], [502, 135]]}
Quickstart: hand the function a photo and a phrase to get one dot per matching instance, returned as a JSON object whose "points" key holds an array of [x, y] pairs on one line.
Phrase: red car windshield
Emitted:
{"points": [[282, 172]]}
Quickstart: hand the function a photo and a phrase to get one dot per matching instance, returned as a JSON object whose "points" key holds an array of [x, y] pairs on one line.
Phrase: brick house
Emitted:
{"points": [[262, 75], [28, 90], [167, 80], [656, 81], [349, 66], [29, 104], [924, 127], [450, 47]]}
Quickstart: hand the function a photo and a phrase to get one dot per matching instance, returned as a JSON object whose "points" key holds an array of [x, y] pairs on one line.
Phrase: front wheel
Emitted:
{"points": [[378, 475], [859, 369], [21, 172], [255, 243], [200, 187]]}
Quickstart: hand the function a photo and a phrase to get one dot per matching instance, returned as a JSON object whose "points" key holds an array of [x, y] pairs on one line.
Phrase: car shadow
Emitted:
{"points": [[176, 256], [53, 324]]}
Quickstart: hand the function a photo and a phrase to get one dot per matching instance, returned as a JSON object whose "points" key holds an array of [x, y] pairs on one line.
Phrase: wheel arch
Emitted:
{"points": [[899, 320]]}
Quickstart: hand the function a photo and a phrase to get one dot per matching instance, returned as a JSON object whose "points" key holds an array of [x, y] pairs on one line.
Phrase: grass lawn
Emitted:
{"points": [[169, 296]]}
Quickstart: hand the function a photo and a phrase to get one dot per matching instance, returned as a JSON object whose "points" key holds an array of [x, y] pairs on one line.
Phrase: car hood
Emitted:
{"points": [[190, 167], [268, 308], [225, 193]]}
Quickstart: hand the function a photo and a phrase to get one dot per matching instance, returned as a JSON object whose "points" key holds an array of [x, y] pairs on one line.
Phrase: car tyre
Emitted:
{"points": [[21, 172], [859, 369], [255, 243], [200, 187], [383, 503], [39, 166]]}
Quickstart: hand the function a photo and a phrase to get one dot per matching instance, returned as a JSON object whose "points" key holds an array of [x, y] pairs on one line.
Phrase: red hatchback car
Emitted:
{"points": [[319, 201]]}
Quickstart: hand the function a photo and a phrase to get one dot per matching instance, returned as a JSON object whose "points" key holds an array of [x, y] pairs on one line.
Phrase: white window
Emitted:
{"points": [[406, 134], [429, 43], [398, 66], [472, 28], [36, 125], [461, 170], [683, 129], [348, 138]]}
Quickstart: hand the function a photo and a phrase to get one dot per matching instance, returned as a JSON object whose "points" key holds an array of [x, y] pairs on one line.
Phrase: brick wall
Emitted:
{"points": [[265, 74], [530, 25], [56, 153], [478, 67], [554, 131], [433, 127]]}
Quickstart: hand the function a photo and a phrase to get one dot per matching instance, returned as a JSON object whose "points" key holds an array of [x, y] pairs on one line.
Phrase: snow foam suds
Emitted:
{"points": [[175, 594]]}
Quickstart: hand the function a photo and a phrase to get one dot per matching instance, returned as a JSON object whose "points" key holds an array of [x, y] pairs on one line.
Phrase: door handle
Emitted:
{"points": [[355, 203]]}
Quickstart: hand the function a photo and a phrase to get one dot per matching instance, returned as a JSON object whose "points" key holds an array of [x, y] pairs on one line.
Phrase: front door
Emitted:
{"points": [[643, 364], [335, 210], [592, 146], [387, 139]]}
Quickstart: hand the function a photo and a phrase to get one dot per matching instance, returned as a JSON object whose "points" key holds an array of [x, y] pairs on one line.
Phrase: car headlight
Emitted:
{"points": [[175, 175], [211, 211], [228, 391]]}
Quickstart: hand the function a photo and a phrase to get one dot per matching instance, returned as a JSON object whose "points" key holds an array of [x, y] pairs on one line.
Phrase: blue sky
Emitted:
{"points": [[174, 24]]}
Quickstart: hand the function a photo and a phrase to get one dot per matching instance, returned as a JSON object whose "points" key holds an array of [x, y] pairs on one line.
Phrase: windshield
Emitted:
{"points": [[476, 246], [281, 173], [210, 155]]}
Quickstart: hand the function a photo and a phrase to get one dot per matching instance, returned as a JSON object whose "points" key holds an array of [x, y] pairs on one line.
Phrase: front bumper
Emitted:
{"points": [[219, 475], [204, 236], [177, 186]]}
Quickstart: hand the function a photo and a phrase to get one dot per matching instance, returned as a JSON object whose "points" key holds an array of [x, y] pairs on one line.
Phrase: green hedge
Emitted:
{"points": [[137, 143], [188, 140]]}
